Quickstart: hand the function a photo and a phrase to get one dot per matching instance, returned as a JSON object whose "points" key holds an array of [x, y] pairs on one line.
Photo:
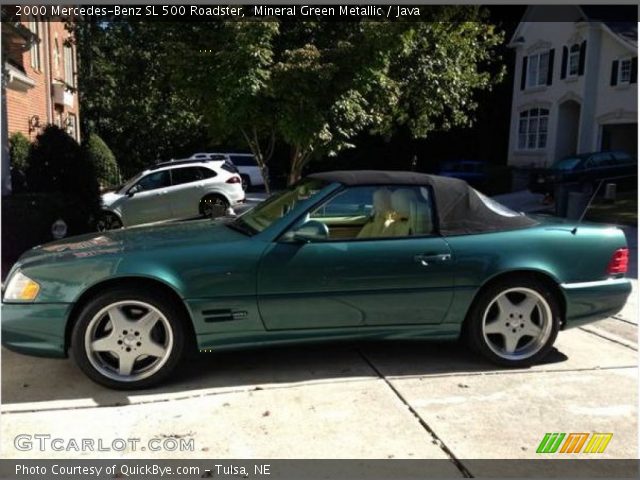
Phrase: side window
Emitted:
{"points": [[180, 176], [151, 182], [621, 158], [243, 161], [207, 172], [386, 211], [600, 160]]}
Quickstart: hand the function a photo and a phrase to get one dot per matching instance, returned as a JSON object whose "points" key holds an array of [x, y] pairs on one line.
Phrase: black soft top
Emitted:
{"points": [[460, 208]]}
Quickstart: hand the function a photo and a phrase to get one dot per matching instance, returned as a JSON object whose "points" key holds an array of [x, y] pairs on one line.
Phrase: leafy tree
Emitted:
{"points": [[104, 162], [316, 85], [127, 96]]}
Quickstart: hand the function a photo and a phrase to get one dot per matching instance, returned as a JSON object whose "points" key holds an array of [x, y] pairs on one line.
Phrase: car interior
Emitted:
{"points": [[377, 212]]}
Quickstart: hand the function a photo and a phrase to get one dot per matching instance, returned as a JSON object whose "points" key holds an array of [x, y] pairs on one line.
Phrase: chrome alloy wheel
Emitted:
{"points": [[517, 323], [128, 340]]}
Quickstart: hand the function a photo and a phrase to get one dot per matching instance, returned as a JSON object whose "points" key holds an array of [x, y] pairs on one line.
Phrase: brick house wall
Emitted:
{"points": [[30, 109]]}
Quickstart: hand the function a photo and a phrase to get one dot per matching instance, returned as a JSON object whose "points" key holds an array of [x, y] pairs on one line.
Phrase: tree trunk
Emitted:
{"points": [[254, 145], [297, 163]]}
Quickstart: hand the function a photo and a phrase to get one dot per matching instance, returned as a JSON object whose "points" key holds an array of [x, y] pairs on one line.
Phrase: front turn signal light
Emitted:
{"points": [[21, 288]]}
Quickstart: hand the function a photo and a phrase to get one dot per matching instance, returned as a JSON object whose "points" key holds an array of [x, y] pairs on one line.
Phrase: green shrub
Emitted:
{"points": [[19, 156], [104, 162], [19, 151], [56, 164]]}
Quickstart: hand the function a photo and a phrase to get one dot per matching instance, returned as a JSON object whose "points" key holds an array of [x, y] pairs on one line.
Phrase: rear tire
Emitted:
{"points": [[514, 322], [128, 340], [212, 205], [246, 182]]}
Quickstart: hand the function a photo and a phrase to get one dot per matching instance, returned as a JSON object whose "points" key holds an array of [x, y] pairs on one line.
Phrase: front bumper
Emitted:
{"points": [[35, 328], [592, 301]]}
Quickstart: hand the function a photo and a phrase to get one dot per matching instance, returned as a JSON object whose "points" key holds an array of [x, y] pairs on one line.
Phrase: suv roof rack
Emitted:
{"points": [[182, 162]]}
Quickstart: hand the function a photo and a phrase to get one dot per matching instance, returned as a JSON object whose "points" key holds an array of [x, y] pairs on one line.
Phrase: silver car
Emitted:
{"points": [[170, 191]]}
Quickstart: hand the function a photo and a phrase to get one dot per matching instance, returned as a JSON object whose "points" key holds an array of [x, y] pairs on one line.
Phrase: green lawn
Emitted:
{"points": [[623, 211]]}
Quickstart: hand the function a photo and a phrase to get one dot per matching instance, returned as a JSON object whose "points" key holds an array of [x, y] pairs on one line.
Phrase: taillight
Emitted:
{"points": [[234, 179], [619, 262]]}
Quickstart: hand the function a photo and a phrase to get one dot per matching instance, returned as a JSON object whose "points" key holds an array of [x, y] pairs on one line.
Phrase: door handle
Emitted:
{"points": [[427, 259]]}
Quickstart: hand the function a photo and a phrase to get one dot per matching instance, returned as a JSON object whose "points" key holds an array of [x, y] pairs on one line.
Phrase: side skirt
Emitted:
{"points": [[255, 339]]}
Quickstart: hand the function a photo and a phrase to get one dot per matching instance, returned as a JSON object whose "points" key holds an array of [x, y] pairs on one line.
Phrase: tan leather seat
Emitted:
{"points": [[422, 224], [381, 211], [403, 203]]}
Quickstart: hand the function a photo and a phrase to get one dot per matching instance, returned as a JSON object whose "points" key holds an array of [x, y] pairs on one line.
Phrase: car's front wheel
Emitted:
{"points": [[108, 221], [514, 322], [128, 339]]}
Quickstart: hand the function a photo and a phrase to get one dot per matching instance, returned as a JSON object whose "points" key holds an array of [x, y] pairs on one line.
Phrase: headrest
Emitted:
{"points": [[401, 201], [381, 201]]}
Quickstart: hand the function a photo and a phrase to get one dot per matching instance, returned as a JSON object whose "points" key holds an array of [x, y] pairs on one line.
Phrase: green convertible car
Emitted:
{"points": [[340, 255]]}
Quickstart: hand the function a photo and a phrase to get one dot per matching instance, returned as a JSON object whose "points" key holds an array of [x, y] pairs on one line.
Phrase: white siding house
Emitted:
{"points": [[575, 87]]}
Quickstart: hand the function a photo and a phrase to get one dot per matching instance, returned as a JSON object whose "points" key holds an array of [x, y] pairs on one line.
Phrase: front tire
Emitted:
{"points": [[108, 221], [514, 322], [127, 340]]}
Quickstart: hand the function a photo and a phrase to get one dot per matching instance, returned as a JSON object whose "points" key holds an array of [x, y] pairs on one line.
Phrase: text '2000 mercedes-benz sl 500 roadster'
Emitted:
{"points": [[339, 255]]}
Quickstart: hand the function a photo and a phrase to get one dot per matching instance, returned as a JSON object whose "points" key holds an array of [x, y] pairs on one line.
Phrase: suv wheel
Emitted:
{"points": [[108, 221], [213, 206]]}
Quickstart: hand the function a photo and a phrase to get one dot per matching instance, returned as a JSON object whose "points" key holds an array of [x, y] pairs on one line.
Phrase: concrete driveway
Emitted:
{"points": [[394, 400]]}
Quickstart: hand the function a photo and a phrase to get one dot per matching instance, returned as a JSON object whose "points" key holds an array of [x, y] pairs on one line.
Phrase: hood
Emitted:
{"points": [[109, 198], [127, 240]]}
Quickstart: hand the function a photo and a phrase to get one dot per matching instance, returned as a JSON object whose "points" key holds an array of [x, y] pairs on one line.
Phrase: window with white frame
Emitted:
{"points": [[35, 45], [574, 60], [532, 129], [68, 65], [538, 69], [625, 70], [72, 126]]}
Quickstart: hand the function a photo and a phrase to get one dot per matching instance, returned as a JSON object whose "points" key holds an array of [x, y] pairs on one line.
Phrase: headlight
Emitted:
{"points": [[21, 288]]}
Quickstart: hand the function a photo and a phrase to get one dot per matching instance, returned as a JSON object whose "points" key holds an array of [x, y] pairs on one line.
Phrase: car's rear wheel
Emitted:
{"points": [[128, 340], [108, 221], [246, 182], [213, 206], [514, 322]]}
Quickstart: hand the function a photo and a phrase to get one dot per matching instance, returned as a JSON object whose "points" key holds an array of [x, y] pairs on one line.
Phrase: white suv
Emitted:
{"points": [[245, 162], [172, 190]]}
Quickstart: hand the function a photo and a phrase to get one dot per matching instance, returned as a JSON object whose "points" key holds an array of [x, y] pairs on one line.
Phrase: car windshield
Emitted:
{"points": [[277, 206], [129, 183], [568, 163]]}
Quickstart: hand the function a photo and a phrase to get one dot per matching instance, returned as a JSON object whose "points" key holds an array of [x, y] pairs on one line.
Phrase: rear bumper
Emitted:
{"points": [[35, 328], [236, 197], [592, 301]]}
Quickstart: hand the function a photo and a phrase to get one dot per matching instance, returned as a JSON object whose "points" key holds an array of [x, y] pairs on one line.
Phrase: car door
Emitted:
{"points": [[187, 189], [389, 279], [147, 201]]}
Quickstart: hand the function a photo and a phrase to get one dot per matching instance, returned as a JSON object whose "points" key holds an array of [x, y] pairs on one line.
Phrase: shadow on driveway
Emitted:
{"points": [[61, 384]]}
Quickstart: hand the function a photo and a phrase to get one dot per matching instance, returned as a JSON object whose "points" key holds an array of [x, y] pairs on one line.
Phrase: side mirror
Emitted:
{"points": [[310, 231], [130, 193]]}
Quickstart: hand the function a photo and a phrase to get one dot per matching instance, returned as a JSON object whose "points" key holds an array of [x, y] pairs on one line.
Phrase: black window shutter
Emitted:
{"points": [[583, 53], [565, 59], [552, 53], [614, 73], [523, 77], [634, 70]]}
